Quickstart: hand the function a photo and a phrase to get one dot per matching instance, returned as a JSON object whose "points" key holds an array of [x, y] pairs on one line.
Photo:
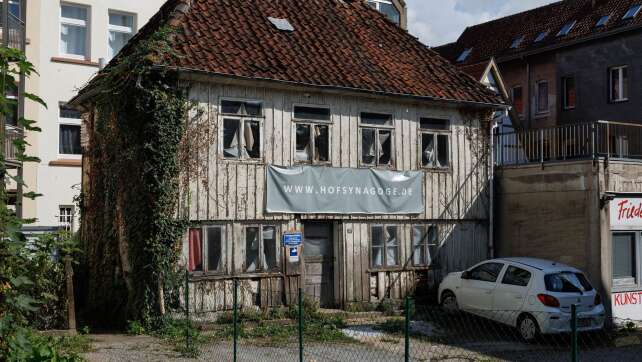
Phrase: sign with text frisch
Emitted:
{"points": [[292, 239], [331, 190], [626, 213]]}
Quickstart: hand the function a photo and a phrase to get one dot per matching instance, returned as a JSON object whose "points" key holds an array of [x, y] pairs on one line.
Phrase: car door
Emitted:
{"points": [[477, 287], [510, 294]]}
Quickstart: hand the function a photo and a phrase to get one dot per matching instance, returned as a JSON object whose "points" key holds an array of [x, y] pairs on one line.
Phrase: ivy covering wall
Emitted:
{"points": [[130, 231]]}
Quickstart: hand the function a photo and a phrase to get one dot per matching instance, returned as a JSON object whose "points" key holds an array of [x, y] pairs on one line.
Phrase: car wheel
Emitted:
{"points": [[527, 327], [449, 302]]}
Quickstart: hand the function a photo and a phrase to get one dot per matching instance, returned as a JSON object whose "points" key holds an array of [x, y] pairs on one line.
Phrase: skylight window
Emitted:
{"points": [[281, 24], [516, 42], [464, 54], [567, 28], [632, 12], [541, 36], [603, 20]]}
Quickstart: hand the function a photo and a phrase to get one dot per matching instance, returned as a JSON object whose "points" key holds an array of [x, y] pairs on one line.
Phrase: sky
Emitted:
{"points": [[437, 22]]}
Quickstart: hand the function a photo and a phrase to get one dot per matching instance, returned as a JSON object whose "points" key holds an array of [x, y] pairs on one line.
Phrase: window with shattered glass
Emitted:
{"points": [[261, 249], [435, 142], [376, 139], [425, 244], [242, 131], [312, 134], [384, 246]]}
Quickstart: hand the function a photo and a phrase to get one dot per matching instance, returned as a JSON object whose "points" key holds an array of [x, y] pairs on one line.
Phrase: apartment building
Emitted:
{"points": [[67, 42]]}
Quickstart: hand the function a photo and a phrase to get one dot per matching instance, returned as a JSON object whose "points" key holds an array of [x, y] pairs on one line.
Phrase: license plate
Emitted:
{"points": [[584, 322]]}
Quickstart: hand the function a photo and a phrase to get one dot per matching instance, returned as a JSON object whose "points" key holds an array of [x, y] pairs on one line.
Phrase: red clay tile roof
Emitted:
{"points": [[494, 38], [335, 43]]}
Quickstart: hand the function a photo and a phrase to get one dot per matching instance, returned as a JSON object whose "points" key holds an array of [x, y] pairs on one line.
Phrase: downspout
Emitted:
{"points": [[491, 227], [528, 94]]}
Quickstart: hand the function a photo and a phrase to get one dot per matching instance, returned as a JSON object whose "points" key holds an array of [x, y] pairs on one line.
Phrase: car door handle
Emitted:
{"points": [[489, 292]]}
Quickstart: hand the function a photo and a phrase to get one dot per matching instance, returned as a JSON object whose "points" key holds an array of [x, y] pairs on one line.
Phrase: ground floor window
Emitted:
{"points": [[206, 249], [425, 243], [261, 245], [624, 264], [384, 246], [66, 217]]}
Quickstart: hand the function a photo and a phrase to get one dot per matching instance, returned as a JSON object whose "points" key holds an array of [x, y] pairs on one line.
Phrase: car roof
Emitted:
{"points": [[541, 264]]}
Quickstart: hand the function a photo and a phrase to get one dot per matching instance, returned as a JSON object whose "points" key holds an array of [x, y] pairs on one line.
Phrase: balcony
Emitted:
{"points": [[10, 151], [12, 29], [582, 141]]}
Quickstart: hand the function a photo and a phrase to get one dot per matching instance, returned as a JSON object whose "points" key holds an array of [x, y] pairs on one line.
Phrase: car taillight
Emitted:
{"points": [[548, 300], [598, 299]]}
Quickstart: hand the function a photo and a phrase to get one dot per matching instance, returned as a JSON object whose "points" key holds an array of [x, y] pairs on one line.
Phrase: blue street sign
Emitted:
{"points": [[292, 239]]}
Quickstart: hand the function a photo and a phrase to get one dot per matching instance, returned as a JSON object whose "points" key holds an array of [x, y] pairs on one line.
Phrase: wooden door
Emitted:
{"points": [[318, 257]]}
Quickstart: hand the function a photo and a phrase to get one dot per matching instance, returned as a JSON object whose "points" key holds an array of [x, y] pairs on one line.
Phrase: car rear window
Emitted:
{"points": [[567, 282]]}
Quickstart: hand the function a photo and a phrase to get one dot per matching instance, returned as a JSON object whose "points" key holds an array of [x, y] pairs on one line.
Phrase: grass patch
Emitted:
{"points": [[185, 339]]}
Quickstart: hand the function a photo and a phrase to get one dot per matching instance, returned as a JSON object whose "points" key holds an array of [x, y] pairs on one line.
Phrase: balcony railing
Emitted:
{"points": [[570, 142], [15, 31], [10, 151]]}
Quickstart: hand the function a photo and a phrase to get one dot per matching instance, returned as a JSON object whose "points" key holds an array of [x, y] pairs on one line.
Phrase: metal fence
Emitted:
{"points": [[409, 332], [10, 150], [569, 142]]}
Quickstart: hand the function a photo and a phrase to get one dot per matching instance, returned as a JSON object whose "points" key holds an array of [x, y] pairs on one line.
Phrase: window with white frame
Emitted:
{"points": [[121, 29], [541, 100], [377, 136], [242, 129], [66, 217], [384, 246], [435, 142], [74, 31], [312, 127], [69, 132], [619, 83], [387, 8], [625, 266], [261, 248], [206, 249], [425, 244]]}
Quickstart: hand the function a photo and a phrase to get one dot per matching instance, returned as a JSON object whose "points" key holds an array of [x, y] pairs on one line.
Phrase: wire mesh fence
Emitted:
{"points": [[303, 332]]}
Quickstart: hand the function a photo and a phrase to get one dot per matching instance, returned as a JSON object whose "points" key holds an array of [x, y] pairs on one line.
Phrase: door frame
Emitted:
{"points": [[335, 234]]}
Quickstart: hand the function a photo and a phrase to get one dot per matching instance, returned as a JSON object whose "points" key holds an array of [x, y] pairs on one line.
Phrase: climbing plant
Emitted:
{"points": [[131, 232]]}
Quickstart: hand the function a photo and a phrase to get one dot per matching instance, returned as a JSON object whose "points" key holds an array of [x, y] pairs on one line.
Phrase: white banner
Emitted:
{"points": [[626, 212]]}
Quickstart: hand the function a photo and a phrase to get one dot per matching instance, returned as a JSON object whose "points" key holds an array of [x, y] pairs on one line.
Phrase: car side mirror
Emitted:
{"points": [[465, 275]]}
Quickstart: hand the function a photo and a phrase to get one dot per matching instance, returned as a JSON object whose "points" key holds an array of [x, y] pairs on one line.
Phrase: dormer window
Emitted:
{"points": [[541, 36], [516, 42], [632, 12], [603, 20], [464, 55], [387, 8], [567, 28]]}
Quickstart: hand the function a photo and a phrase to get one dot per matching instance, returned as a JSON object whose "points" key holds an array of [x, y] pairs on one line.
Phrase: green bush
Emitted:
{"points": [[135, 328]]}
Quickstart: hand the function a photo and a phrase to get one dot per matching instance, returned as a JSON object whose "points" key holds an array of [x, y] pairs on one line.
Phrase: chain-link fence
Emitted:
{"points": [[411, 332]]}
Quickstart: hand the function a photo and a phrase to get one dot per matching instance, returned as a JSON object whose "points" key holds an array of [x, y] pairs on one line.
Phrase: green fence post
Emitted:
{"points": [[236, 316], [406, 330], [189, 324], [574, 351], [300, 325]]}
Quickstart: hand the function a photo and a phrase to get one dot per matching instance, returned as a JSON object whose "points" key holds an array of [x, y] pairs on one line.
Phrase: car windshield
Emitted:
{"points": [[567, 282]]}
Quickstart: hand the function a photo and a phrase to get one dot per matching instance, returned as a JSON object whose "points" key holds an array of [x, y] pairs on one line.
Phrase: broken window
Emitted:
{"points": [[261, 252], [425, 243], [435, 142], [312, 134], [242, 134], [214, 248], [376, 139], [384, 246]]}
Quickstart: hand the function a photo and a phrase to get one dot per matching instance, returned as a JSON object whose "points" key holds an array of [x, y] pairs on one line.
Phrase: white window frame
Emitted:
{"points": [[68, 225], [377, 129], [435, 132], [621, 84], [259, 268], [387, 2], [68, 122], [624, 284], [537, 97], [312, 123], [242, 119], [120, 29], [75, 22]]}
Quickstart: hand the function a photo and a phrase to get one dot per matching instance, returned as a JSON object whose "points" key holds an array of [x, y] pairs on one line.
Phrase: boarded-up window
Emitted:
{"points": [[195, 240], [425, 244], [242, 132], [312, 134], [435, 142], [384, 246], [377, 138], [261, 249]]}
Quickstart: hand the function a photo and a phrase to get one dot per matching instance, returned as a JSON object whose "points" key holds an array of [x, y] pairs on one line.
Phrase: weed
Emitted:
{"points": [[135, 328]]}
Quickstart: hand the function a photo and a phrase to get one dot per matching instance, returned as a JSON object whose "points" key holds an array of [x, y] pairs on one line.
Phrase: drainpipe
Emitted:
{"points": [[491, 222], [528, 94]]}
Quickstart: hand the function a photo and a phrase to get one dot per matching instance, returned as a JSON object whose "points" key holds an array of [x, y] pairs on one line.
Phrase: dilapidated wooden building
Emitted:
{"points": [[323, 117]]}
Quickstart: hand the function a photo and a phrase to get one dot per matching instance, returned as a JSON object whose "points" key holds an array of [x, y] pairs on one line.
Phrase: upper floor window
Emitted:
{"points": [[261, 248], [464, 55], [121, 29], [384, 246], [517, 96], [632, 12], [541, 99], [569, 92], [425, 242], [312, 134], [74, 31], [541, 36], [619, 84], [242, 131], [567, 28], [11, 118], [377, 137], [435, 142], [69, 132], [206, 249], [516, 42], [603, 21], [387, 8]]}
